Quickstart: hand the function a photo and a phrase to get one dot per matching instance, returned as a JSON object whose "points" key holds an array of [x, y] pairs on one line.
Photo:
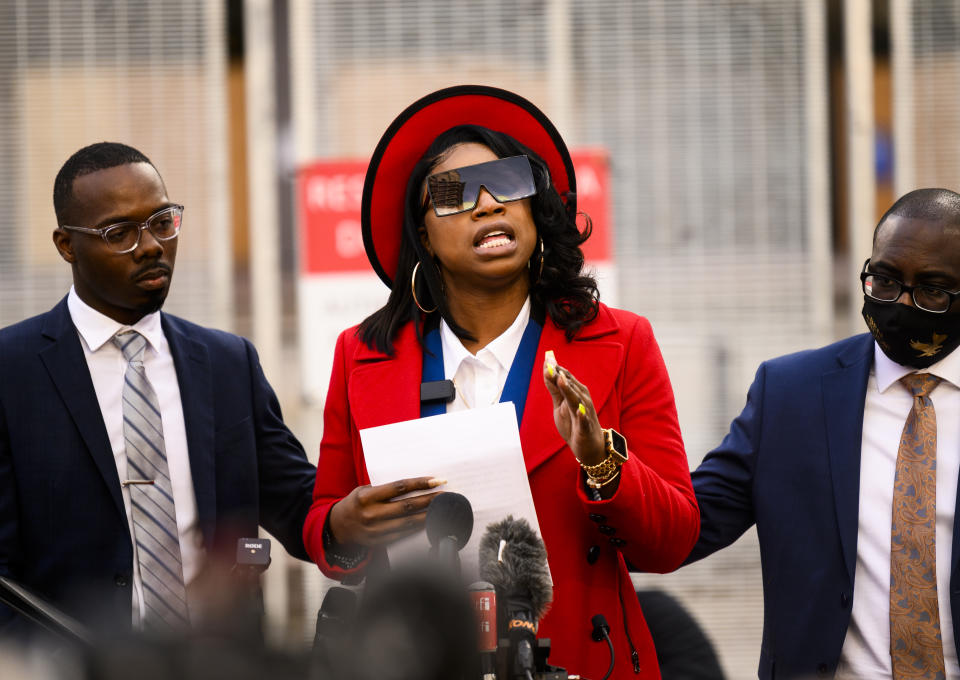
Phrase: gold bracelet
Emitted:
{"points": [[595, 483], [605, 467], [602, 471]]}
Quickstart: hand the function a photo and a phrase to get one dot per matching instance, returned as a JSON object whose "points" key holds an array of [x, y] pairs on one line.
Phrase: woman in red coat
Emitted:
{"points": [[469, 216]]}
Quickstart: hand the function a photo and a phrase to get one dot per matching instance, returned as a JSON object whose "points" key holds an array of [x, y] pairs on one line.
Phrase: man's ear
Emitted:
{"points": [[64, 244]]}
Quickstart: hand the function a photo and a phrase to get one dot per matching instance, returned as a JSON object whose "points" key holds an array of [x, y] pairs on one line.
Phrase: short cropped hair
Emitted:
{"points": [[92, 158], [940, 205]]}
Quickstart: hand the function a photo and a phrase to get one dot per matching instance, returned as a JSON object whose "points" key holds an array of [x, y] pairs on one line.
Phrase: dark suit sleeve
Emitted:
{"points": [[10, 549], [724, 481], [286, 477]]}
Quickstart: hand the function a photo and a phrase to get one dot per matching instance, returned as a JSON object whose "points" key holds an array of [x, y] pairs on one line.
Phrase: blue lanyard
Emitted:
{"points": [[518, 379]]}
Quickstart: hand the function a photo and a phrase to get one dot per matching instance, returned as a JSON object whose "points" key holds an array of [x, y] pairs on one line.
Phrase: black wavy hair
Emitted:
{"points": [[92, 158], [563, 291]]}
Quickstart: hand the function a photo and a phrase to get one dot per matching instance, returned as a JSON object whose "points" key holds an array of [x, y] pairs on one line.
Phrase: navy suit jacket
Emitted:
{"points": [[63, 529], [791, 465]]}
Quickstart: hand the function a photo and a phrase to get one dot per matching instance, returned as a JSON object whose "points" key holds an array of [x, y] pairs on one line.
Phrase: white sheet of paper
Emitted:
{"points": [[477, 451]]}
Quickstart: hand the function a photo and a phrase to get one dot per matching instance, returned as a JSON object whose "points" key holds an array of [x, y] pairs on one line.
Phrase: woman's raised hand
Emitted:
{"points": [[573, 412], [376, 515]]}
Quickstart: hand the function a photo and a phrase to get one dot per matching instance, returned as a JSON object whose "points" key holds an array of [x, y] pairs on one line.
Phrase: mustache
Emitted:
{"points": [[152, 268]]}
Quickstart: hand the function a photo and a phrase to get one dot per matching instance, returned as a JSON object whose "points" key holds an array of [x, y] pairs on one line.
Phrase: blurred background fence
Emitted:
{"points": [[752, 145]]}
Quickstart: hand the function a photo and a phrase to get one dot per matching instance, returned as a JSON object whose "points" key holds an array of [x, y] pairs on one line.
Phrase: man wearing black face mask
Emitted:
{"points": [[846, 458]]}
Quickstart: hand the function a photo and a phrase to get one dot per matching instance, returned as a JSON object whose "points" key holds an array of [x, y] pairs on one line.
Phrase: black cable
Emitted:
{"points": [[610, 645]]}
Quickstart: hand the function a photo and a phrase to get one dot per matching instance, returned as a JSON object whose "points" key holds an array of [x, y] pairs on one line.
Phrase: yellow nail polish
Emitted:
{"points": [[435, 482], [582, 409], [551, 360]]}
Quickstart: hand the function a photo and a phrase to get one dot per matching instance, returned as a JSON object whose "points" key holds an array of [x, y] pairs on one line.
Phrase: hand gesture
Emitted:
{"points": [[374, 515], [573, 412]]}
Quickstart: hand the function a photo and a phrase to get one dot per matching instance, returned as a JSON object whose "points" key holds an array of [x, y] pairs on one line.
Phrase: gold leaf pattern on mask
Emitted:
{"points": [[929, 349], [875, 329], [916, 647]]}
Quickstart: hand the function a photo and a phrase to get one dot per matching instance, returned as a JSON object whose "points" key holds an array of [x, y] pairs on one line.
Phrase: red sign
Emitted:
{"points": [[329, 195], [593, 198]]}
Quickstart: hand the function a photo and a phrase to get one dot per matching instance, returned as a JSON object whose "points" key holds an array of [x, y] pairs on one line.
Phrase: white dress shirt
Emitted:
{"points": [[480, 378], [866, 649], [107, 367]]}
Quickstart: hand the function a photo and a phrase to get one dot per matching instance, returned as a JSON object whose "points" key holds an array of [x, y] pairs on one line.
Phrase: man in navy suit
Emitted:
{"points": [[814, 458], [223, 461]]}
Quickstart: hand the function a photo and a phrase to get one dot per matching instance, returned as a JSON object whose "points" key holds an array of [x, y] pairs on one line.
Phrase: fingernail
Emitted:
{"points": [[550, 359], [582, 409], [435, 482]]}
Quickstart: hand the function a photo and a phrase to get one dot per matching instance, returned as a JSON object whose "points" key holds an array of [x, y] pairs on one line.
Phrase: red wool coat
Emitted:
{"points": [[653, 512]]}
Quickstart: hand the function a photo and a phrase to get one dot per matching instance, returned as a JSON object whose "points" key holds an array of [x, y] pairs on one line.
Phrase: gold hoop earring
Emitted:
{"points": [[413, 290], [539, 273]]}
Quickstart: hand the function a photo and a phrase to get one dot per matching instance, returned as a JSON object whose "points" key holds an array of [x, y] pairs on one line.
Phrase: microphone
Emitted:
{"points": [[253, 555], [33, 607], [514, 559], [484, 598], [253, 558], [335, 617], [449, 524]]}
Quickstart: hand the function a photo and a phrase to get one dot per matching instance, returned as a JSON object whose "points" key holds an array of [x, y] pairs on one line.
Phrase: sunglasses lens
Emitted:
{"points": [[456, 191]]}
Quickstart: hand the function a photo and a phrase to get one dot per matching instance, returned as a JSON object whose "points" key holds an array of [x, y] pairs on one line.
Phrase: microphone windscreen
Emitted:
{"points": [[449, 514], [520, 568]]}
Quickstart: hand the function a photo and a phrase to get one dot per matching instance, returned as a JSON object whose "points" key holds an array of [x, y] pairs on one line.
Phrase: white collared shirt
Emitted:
{"points": [[107, 367], [866, 649], [480, 378]]}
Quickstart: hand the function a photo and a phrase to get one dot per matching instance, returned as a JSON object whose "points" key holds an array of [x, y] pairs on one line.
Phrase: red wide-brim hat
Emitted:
{"points": [[409, 136]]}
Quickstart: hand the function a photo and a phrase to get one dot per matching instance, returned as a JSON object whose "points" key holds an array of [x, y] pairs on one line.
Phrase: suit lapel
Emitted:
{"points": [[64, 360], [844, 392], [386, 389], [594, 358], [195, 379]]}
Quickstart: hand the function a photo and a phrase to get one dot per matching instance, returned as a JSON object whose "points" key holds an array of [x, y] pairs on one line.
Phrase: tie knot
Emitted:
{"points": [[920, 384], [131, 344]]}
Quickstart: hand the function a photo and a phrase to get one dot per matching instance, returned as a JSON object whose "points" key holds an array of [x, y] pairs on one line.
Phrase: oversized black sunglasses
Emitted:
{"points": [[456, 191]]}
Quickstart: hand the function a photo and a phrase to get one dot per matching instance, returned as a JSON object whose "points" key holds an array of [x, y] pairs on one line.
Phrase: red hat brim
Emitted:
{"points": [[410, 135]]}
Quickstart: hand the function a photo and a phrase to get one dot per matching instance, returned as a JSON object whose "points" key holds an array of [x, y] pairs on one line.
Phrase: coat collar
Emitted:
{"points": [[191, 360], [844, 392], [63, 358], [385, 389]]}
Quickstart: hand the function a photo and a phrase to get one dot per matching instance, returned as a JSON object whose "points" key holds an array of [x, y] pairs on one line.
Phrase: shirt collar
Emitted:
{"points": [[888, 371], [503, 348], [96, 329]]}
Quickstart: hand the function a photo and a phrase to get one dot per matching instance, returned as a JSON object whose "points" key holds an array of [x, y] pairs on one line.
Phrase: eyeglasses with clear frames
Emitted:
{"points": [[124, 237], [883, 288]]}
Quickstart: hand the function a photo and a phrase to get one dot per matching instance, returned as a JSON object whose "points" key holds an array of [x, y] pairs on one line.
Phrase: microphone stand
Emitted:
{"points": [[41, 612]]}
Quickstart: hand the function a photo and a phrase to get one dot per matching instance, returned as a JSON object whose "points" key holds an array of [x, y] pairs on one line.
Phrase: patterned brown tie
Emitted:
{"points": [[916, 648]]}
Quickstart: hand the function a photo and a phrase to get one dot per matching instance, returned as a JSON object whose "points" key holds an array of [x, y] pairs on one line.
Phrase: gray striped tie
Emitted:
{"points": [[154, 518]]}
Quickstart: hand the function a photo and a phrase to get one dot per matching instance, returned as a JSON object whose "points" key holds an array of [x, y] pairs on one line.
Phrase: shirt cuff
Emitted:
{"points": [[344, 557]]}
